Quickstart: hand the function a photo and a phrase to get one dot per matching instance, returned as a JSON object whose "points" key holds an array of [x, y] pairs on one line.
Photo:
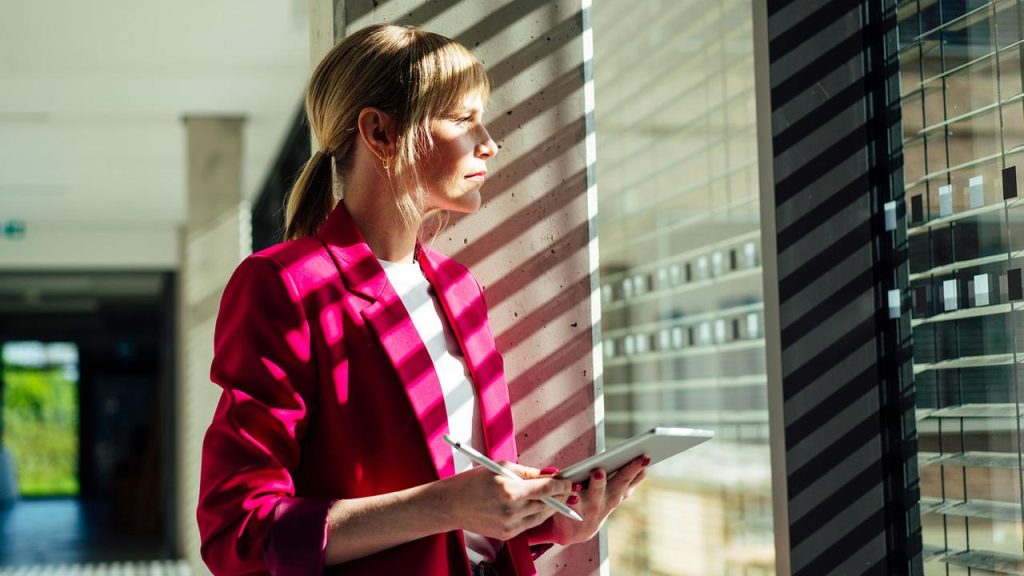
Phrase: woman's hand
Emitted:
{"points": [[602, 496], [497, 507]]}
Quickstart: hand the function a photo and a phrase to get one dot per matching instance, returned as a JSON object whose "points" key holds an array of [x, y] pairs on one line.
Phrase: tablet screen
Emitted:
{"points": [[657, 444]]}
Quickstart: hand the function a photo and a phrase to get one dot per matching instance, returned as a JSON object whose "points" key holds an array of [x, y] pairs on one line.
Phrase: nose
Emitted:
{"points": [[487, 148]]}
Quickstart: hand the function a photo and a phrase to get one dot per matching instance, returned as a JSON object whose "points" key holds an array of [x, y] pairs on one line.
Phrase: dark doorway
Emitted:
{"points": [[121, 326]]}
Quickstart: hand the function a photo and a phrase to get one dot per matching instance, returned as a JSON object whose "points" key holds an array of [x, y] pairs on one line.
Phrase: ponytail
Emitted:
{"points": [[311, 198]]}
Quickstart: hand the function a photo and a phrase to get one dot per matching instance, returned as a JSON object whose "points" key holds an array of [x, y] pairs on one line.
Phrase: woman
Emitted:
{"points": [[347, 352]]}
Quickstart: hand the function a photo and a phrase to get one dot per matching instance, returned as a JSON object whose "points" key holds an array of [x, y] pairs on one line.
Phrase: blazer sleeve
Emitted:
{"points": [[250, 519]]}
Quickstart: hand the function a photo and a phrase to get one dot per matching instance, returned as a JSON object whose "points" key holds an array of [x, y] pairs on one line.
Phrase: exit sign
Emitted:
{"points": [[12, 229]]}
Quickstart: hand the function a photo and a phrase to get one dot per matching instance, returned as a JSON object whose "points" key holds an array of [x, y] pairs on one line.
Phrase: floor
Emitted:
{"points": [[152, 568], [67, 531]]}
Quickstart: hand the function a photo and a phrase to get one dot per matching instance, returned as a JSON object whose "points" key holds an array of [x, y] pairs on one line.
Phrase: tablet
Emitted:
{"points": [[656, 443]]}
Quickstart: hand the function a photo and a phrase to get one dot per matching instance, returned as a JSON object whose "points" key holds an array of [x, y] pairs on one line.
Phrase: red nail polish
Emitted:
{"points": [[549, 470], [647, 461], [572, 499], [598, 474], [577, 487]]}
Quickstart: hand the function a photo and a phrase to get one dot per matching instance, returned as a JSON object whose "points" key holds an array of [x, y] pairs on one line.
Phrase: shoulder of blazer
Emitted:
{"points": [[304, 260]]}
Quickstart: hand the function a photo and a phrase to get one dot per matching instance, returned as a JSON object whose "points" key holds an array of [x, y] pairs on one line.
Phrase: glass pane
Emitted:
{"points": [[967, 316], [971, 87], [681, 281]]}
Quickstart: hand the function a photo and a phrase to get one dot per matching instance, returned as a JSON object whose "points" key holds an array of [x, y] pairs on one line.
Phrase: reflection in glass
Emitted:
{"points": [[963, 244], [681, 280]]}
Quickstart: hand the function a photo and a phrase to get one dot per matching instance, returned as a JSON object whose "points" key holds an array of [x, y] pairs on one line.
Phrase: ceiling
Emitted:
{"points": [[92, 143], [92, 96]]}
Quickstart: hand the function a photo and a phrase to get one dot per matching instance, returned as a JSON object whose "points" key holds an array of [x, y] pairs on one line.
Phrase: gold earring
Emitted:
{"points": [[386, 162]]}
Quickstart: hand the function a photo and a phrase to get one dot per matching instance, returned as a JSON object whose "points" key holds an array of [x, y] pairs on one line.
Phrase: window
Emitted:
{"points": [[963, 131], [681, 285]]}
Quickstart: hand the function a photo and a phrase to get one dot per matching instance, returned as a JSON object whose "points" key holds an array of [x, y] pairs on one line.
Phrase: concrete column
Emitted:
{"points": [[533, 244], [214, 239]]}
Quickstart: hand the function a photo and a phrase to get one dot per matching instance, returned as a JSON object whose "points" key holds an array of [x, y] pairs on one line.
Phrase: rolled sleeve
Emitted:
{"points": [[297, 538], [250, 519]]}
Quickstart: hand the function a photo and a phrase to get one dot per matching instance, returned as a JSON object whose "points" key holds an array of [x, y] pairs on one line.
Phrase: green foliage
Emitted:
{"points": [[40, 416]]}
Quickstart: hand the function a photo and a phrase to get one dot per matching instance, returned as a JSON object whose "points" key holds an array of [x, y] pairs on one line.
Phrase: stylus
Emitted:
{"points": [[499, 469]]}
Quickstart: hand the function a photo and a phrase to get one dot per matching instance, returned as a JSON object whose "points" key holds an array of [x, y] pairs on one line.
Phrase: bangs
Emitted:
{"points": [[448, 74]]}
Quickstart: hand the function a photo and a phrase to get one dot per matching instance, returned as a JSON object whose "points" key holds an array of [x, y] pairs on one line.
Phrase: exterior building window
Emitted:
{"points": [[681, 282], [963, 139]]}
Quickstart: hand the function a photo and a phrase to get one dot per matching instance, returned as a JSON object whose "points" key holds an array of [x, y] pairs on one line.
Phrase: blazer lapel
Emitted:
{"points": [[463, 304], [389, 320]]}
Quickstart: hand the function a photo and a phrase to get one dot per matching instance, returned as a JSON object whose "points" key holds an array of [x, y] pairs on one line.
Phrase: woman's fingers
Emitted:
{"points": [[636, 481], [598, 485], [619, 486], [534, 507], [538, 518], [638, 478], [554, 487], [536, 488], [559, 486], [523, 471]]}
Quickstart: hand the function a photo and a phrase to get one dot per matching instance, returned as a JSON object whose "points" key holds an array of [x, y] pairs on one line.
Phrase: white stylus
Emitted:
{"points": [[499, 469]]}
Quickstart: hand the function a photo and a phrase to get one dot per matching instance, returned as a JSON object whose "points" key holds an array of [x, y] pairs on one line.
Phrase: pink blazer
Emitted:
{"points": [[328, 393]]}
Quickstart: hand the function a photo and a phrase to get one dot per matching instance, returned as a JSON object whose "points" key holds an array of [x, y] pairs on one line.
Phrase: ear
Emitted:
{"points": [[378, 132]]}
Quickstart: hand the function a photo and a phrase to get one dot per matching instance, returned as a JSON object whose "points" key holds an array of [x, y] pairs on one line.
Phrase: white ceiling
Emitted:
{"points": [[92, 95]]}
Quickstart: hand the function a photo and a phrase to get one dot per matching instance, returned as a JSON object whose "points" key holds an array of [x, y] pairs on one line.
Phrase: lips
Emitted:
{"points": [[481, 174]]}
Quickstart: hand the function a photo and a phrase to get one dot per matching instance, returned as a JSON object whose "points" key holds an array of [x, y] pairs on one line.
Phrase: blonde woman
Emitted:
{"points": [[348, 351]]}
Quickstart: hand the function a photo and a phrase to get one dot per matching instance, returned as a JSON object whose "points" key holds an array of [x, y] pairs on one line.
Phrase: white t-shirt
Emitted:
{"points": [[459, 395]]}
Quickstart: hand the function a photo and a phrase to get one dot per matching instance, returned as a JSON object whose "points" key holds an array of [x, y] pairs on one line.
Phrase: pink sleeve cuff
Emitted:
{"points": [[297, 538]]}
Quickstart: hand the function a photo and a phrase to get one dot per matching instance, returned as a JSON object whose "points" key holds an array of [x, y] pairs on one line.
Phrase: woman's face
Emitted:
{"points": [[455, 169]]}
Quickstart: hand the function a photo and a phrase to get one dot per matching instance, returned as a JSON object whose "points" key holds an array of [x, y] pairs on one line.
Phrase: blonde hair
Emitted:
{"points": [[412, 75]]}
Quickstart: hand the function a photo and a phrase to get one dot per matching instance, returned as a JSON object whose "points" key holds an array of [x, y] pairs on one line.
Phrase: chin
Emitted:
{"points": [[467, 204]]}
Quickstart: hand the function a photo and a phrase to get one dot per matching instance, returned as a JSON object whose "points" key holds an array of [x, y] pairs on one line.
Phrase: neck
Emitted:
{"points": [[374, 211]]}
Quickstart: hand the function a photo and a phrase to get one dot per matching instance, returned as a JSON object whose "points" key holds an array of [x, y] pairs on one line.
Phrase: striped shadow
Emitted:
{"points": [[845, 393]]}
